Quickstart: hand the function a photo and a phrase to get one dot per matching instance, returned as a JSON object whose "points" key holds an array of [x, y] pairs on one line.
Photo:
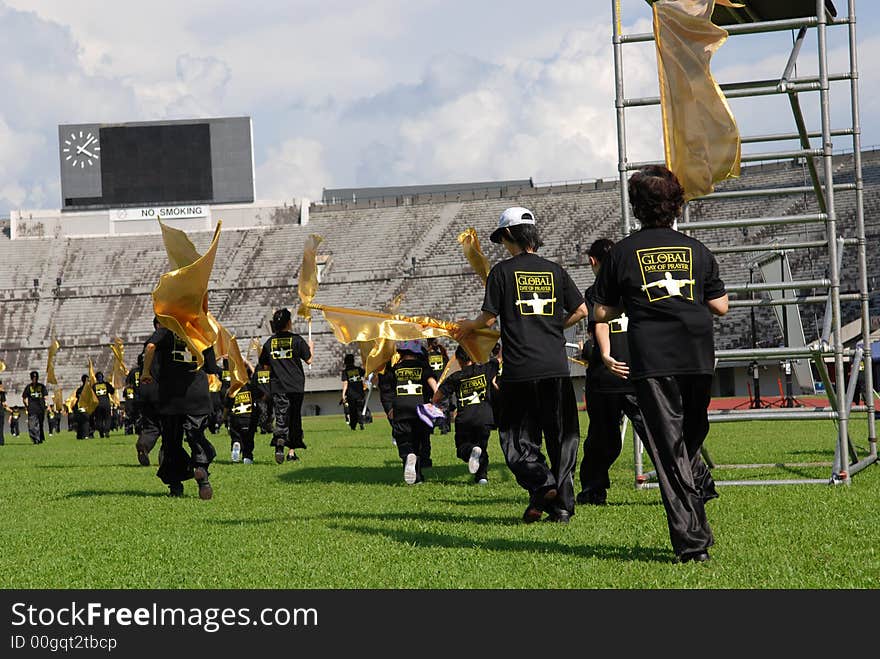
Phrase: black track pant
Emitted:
{"points": [[2, 425], [177, 465], [528, 410], [355, 405], [288, 420], [603, 443], [102, 421], [150, 427], [674, 411], [35, 427], [466, 438], [241, 430], [412, 436]]}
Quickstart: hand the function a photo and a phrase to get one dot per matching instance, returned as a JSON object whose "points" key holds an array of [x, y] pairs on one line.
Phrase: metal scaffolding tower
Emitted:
{"points": [[764, 16]]}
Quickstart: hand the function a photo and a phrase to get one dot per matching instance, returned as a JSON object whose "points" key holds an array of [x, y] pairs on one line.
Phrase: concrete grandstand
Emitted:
{"points": [[88, 290]]}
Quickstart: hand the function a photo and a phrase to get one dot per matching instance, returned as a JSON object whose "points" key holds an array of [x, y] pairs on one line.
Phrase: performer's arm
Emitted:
{"points": [[719, 305], [603, 314], [603, 339], [466, 327], [576, 316], [149, 354]]}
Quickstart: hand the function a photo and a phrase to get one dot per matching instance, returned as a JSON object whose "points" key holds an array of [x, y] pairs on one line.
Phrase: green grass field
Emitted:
{"points": [[83, 514]]}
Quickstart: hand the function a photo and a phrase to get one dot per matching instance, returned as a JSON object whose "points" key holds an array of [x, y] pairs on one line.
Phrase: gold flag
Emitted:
{"points": [[2, 366], [70, 403], [357, 325], [375, 354], [50, 365], [700, 134], [452, 366], [254, 346], [87, 398], [214, 383], [180, 300], [181, 252], [470, 243], [307, 287], [227, 346], [58, 399], [120, 372]]}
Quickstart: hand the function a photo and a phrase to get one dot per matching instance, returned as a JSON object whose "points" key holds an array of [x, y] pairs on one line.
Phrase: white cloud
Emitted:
{"points": [[295, 168]]}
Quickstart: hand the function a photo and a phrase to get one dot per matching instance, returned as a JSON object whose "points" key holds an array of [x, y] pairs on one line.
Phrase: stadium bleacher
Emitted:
{"points": [[369, 254]]}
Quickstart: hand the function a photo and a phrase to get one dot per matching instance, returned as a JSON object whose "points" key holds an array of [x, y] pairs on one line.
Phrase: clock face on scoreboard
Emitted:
{"points": [[80, 149]]}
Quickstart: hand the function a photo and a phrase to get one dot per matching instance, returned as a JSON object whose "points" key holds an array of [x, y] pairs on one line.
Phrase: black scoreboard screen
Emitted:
{"points": [[156, 163], [118, 165]]}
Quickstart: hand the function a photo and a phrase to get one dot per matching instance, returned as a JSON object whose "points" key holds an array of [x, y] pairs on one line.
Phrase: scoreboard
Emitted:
{"points": [[159, 162]]}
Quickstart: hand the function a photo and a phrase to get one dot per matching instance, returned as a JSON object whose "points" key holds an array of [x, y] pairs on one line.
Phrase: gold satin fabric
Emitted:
{"points": [[87, 398], [180, 300], [307, 286], [470, 243], [50, 365], [358, 325], [700, 134]]}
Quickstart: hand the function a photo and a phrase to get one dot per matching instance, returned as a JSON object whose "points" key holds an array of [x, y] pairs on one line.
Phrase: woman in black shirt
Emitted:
{"points": [[668, 285]]}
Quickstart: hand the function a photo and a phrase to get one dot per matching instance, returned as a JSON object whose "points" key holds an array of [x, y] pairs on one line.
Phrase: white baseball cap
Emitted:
{"points": [[511, 217]]}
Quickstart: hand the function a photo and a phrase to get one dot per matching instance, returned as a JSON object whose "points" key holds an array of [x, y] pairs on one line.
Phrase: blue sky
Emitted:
{"points": [[377, 92]]}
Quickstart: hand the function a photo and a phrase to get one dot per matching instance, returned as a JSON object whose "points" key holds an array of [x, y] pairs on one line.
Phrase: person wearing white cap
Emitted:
{"points": [[535, 300]]}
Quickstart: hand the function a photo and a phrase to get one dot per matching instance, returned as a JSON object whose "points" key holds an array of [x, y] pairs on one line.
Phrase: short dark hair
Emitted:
{"points": [[280, 319], [656, 196], [526, 236], [462, 355], [99, 376], [34, 374], [348, 360], [600, 248]]}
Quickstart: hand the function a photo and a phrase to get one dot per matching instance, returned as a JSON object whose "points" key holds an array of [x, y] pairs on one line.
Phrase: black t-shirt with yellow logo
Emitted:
{"points": [[599, 378], [241, 406], [437, 361], [283, 353], [103, 391], [354, 375], [36, 395], [662, 279], [409, 387], [532, 297], [472, 387], [183, 388]]}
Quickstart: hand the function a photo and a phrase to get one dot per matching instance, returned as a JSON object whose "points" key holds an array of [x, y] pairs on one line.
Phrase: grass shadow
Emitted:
{"points": [[389, 474], [448, 541], [85, 494]]}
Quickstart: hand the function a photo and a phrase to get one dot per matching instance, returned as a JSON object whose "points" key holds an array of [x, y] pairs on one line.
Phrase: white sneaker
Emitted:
{"points": [[474, 460], [409, 470], [483, 481], [393, 442], [248, 461], [236, 452]]}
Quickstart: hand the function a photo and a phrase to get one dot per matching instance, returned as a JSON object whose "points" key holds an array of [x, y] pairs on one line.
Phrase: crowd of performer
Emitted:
{"points": [[649, 352]]}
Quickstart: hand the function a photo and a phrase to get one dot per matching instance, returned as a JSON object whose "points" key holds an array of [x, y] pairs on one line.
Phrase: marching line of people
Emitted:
{"points": [[650, 356]]}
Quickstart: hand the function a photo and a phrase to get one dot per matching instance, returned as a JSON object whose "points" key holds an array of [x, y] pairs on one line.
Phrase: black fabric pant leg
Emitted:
{"points": [[411, 436], [13, 427], [696, 395], [296, 423], [175, 465], [466, 438], [528, 410], [355, 405], [202, 452], [288, 420], [602, 445], [35, 428], [562, 435], [242, 431], [151, 428], [2, 426], [664, 411], [102, 420]]}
